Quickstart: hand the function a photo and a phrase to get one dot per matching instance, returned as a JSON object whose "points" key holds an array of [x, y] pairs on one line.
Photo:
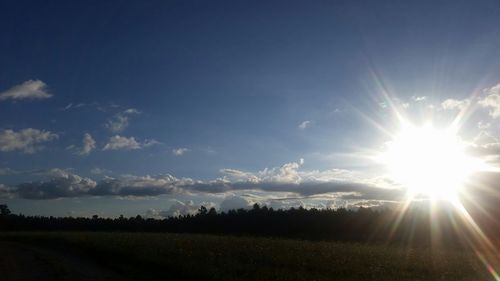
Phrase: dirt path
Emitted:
{"points": [[19, 262]]}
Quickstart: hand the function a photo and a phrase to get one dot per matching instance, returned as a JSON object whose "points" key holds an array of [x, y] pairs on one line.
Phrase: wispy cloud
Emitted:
{"points": [[492, 100], [118, 142], [454, 104], [179, 151], [304, 124], [419, 98], [73, 106], [99, 106], [88, 145], [148, 143], [483, 125], [28, 90], [120, 121], [26, 140]]}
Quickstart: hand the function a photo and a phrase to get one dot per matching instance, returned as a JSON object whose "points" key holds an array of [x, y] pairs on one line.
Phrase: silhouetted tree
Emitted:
{"points": [[212, 212], [203, 210], [363, 224], [4, 210]]}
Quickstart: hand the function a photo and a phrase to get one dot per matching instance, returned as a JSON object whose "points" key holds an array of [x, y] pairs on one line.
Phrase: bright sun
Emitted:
{"points": [[429, 162]]}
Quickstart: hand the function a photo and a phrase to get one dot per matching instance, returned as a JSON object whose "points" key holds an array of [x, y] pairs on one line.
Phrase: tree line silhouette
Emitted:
{"points": [[417, 225]]}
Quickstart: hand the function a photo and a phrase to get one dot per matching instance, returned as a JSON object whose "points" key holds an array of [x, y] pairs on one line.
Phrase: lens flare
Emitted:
{"points": [[429, 162], [432, 162]]}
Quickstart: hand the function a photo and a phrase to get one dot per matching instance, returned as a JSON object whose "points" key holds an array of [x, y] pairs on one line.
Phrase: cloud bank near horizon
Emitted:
{"points": [[288, 178]]}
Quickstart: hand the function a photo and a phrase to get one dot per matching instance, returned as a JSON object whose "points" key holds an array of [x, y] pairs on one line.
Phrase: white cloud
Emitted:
{"points": [[28, 90], [179, 208], [492, 101], [26, 140], [233, 202], [317, 203], [286, 204], [419, 98], [486, 147], [237, 175], [120, 121], [483, 125], [60, 183], [304, 124], [122, 143], [117, 123], [179, 151], [286, 173], [88, 145], [452, 104], [287, 179], [139, 186], [131, 111], [484, 138], [152, 213], [73, 106], [148, 143], [6, 191]]}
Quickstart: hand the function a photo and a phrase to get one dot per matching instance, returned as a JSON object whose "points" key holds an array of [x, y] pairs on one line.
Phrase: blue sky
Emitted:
{"points": [[197, 90]]}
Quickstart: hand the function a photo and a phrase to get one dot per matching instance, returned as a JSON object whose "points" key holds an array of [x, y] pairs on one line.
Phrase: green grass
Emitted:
{"points": [[145, 256]]}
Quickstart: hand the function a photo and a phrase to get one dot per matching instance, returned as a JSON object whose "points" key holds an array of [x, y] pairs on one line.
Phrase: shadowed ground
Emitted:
{"points": [[149, 256], [20, 262]]}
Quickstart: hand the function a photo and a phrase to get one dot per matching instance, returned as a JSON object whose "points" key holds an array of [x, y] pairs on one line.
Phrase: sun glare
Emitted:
{"points": [[429, 162]]}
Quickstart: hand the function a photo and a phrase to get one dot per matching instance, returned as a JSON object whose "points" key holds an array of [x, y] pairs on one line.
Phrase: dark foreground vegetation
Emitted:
{"points": [[258, 244], [419, 226], [160, 256]]}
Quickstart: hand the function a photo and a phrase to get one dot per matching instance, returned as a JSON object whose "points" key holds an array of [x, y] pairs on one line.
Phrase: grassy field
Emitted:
{"points": [[144, 256]]}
